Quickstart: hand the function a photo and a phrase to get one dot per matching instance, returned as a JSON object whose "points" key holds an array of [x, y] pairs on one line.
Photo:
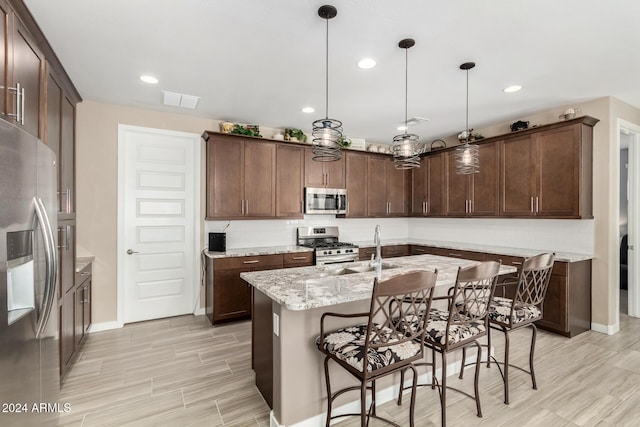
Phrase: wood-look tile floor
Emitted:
{"points": [[183, 372]]}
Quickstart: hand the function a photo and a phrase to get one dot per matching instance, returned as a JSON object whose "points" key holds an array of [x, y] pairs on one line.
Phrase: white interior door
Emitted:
{"points": [[633, 257], [159, 174]]}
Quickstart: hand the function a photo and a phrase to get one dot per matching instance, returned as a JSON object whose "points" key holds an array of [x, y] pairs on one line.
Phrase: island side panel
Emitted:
{"points": [[262, 344]]}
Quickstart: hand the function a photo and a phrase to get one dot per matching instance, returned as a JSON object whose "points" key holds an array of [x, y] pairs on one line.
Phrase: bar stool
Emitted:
{"points": [[524, 309], [388, 342], [460, 326]]}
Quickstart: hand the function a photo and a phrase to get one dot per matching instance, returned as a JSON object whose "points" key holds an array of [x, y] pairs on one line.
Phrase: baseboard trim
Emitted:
{"points": [[605, 329], [104, 326], [199, 312]]}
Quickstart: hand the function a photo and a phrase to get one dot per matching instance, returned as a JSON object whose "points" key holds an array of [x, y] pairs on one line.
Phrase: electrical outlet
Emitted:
{"points": [[276, 324]]}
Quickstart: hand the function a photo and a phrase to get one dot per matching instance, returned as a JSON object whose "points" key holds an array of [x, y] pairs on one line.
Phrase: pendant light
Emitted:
{"points": [[327, 132], [406, 148], [467, 155]]}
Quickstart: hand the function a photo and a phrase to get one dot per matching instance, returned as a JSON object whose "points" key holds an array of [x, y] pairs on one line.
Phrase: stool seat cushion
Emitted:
{"points": [[437, 329], [347, 344], [500, 309]]}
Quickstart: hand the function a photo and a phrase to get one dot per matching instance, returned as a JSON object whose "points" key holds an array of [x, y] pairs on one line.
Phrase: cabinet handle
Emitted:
{"points": [[537, 206], [246, 204], [426, 207], [18, 92], [254, 261], [516, 263], [531, 204], [85, 273], [22, 107], [466, 206], [347, 208], [454, 254], [299, 257], [241, 206], [87, 294], [68, 191]]}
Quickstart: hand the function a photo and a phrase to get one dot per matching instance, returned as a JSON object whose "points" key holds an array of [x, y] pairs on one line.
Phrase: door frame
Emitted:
{"points": [[633, 210], [120, 245]]}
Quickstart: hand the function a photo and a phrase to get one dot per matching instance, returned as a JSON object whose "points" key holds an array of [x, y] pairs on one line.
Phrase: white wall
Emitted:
{"points": [[248, 233]]}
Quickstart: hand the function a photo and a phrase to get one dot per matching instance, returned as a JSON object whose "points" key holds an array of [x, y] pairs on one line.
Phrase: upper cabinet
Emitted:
{"points": [[427, 191], [356, 174], [289, 177], [21, 73], [323, 174], [241, 178], [475, 194], [387, 188], [549, 173]]}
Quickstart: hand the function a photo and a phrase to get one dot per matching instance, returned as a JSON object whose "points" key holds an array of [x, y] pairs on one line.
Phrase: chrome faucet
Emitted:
{"points": [[377, 262]]}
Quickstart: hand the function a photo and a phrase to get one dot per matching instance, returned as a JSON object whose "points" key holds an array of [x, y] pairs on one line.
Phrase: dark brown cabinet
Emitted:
{"points": [[421, 250], [475, 194], [356, 174], [241, 178], [428, 187], [83, 304], [297, 259], [289, 176], [67, 328], [323, 174], [66, 256], [387, 188], [395, 251], [548, 174], [228, 297]]}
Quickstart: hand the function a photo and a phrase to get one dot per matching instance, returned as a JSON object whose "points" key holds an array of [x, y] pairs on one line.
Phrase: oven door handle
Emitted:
{"points": [[336, 260]]}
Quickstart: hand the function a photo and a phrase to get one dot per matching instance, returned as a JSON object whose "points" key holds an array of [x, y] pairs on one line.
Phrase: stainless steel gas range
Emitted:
{"points": [[328, 248]]}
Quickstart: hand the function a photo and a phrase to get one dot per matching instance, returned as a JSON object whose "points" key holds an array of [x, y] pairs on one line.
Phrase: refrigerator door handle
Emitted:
{"points": [[51, 264]]}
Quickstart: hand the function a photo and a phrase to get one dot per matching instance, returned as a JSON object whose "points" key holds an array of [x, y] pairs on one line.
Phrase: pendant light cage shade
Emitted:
{"points": [[327, 132], [467, 156], [406, 148], [406, 151]]}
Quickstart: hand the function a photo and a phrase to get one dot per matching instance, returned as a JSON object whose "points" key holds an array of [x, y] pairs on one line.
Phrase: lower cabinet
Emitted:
{"points": [[227, 296], [395, 251]]}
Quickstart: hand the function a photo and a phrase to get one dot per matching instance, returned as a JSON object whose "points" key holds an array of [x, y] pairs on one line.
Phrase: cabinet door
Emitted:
{"points": [[518, 171], [86, 306], [435, 184], [555, 313], [335, 173], [456, 188], [231, 295], [289, 178], [558, 159], [259, 179], [397, 190], [52, 136], [376, 186], [485, 185], [27, 65], [225, 178], [313, 171], [356, 180], [420, 189], [66, 257], [78, 317], [67, 309], [67, 157]]}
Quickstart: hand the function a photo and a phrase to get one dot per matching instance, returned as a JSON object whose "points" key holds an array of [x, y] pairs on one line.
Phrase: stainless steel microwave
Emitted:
{"points": [[325, 201]]}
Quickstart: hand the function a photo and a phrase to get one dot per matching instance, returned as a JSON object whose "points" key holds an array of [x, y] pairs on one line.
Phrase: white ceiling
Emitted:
{"points": [[260, 62]]}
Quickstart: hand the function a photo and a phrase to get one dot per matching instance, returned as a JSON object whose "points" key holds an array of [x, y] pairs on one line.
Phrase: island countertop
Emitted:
{"points": [[305, 288]]}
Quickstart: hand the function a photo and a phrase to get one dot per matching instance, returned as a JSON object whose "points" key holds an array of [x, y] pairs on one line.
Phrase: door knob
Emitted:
{"points": [[131, 252]]}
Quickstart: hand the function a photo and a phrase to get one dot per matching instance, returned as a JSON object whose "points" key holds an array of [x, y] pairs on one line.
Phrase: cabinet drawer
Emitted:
{"points": [[248, 262], [454, 253], [83, 275], [507, 260], [422, 250], [365, 253], [298, 259], [395, 251]]}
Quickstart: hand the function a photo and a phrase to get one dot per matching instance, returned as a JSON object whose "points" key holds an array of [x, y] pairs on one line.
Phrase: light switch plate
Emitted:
{"points": [[276, 324]]}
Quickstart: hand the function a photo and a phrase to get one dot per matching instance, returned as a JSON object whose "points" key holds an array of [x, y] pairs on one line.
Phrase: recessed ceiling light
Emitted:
{"points": [[401, 127], [149, 79], [511, 89], [366, 63], [308, 110]]}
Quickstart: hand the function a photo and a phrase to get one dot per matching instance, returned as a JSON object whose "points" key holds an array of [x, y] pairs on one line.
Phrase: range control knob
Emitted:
{"points": [[325, 253], [338, 251]]}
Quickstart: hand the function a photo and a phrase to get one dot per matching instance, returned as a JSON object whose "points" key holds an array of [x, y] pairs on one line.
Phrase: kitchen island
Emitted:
{"points": [[287, 306]]}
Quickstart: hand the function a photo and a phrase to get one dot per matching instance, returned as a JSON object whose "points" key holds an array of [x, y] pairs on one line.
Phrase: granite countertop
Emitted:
{"points": [[82, 262], [499, 250], [305, 288], [267, 250]]}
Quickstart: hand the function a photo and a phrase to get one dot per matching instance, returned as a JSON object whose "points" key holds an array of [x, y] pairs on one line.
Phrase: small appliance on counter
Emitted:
{"points": [[328, 249], [217, 242]]}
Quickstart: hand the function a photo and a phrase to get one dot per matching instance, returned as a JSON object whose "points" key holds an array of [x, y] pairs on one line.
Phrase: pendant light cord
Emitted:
{"points": [[406, 88], [326, 105], [467, 112]]}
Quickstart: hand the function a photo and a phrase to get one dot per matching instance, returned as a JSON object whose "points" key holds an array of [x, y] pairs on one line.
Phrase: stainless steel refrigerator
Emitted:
{"points": [[29, 336]]}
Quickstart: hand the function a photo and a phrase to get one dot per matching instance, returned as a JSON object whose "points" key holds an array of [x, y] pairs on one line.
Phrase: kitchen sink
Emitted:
{"points": [[355, 270]]}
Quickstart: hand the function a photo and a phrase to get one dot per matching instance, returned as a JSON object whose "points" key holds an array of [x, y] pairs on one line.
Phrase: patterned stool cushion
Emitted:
{"points": [[437, 328], [347, 344], [501, 308]]}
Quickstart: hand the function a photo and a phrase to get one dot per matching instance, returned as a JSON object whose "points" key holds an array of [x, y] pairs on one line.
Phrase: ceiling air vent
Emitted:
{"points": [[179, 100]]}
